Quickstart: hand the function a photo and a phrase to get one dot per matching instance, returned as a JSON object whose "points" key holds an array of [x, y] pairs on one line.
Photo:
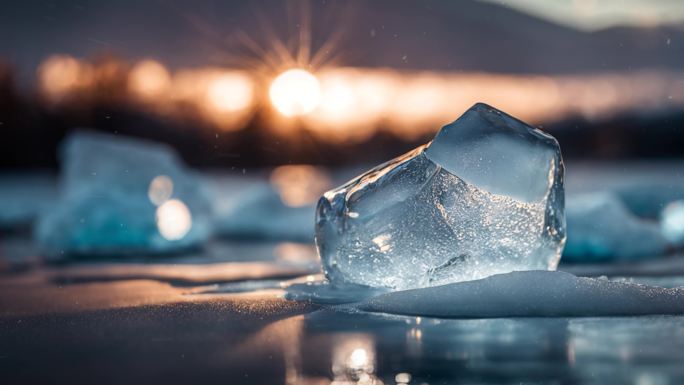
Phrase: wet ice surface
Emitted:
{"points": [[161, 330], [213, 317], [484, 197], [175, 319]]}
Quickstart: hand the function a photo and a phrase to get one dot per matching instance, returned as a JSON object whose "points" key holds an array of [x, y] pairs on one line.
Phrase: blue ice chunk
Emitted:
{"points": [[484, 197], [601, 228], [123, 195], [497, 153], [647, 199]]}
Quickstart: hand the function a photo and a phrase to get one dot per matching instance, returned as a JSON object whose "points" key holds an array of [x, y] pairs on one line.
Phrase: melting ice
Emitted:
{"points": [[484, 197]]}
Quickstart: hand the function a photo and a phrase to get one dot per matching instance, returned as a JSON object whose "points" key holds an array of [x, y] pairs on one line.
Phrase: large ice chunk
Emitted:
{"points": [[484, 197], [123, 195]]}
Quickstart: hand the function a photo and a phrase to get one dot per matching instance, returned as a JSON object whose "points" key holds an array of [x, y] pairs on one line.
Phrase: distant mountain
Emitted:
{"points": [[479, 36], [405, 34]]}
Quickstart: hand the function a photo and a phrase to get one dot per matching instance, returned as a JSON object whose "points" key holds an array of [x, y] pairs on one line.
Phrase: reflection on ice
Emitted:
{"points": [[388, 349], [353, 360]]}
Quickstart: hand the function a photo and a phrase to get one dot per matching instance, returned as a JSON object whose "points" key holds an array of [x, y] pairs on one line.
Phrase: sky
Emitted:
{"points": [[599, 14]]}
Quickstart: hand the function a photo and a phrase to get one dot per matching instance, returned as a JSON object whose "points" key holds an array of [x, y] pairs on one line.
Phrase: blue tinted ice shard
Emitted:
{"points": [[484, 197]]}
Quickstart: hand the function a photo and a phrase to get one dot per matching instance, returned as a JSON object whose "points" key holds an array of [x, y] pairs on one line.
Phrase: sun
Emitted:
{"points": [[295, 92]]}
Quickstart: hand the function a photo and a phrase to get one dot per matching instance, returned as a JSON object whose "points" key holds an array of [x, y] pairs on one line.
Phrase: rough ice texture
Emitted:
{"points": [[601, 228], [531, 294], [104, 207], [415, 221]]}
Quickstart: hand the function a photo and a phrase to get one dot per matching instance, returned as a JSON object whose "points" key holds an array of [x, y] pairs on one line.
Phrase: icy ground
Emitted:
{"points": [[218, 315]]}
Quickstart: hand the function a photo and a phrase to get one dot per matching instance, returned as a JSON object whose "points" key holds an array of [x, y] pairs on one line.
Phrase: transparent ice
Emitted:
{"points": [[484, 197]]}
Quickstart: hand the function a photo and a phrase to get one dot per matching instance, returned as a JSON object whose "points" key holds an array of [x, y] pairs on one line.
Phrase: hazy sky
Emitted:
{"points": [[597, 14]]}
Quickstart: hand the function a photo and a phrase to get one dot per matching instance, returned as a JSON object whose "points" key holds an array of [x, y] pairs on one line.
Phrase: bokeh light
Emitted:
{"points": [[230, 92], [295, 92], [350, 105], [173, 220], [225, 98], [300, 185], [160, 190], [354, 360], [149, 79], [60, 75], [672, 222]]}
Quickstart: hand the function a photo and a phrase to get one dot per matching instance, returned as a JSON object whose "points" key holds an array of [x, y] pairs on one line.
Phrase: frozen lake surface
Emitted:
{"points": [[219, 316], [168, 321]]}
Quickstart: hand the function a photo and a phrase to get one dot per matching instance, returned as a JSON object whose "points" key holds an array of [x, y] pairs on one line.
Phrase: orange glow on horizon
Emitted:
{"points": [[230, 92], [224, 97], [347, 105], [60, 75], [295, 92], [300, 185], [149, 79]]}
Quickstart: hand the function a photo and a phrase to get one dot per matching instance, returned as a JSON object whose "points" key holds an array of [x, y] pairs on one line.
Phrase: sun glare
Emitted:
{"points": [[295, 92]]}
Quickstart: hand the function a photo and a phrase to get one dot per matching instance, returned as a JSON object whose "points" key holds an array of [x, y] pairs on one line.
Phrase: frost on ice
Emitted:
{"points": [[531, 294], [484, 197]]}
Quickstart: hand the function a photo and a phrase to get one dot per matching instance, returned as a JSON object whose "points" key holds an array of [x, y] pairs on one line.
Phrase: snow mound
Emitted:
{"points": [[535, 293]]}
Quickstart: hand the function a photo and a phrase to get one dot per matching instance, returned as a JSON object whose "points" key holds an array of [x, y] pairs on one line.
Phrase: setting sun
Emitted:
{"points": [[295, 92]]}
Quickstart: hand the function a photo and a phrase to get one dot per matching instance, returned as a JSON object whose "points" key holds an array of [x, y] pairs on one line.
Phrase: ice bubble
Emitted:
{"points": [[123, 195], [484, 197], [600, 228]]}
